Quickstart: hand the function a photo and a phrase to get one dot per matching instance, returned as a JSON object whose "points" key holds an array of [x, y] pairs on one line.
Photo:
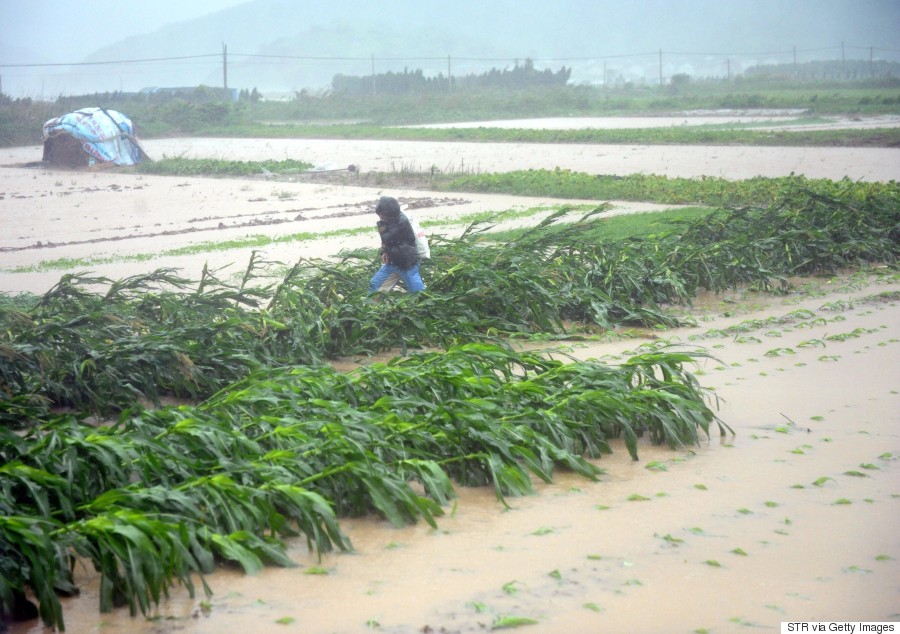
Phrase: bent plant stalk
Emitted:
{"points": [[284, 445], [287, 451]]}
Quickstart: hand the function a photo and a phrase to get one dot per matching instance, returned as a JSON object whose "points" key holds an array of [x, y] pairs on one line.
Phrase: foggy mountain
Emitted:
{"points": [[283, 46]]}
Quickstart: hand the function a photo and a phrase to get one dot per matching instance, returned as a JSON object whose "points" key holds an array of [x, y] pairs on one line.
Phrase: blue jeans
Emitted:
{"points": [[411, 278]]}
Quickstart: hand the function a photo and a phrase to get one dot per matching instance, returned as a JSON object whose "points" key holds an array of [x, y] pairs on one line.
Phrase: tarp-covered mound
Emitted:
{"points": [[91, 136]]}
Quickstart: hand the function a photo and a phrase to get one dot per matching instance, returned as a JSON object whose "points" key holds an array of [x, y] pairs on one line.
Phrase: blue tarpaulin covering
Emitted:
{"points": [[101, 135]]}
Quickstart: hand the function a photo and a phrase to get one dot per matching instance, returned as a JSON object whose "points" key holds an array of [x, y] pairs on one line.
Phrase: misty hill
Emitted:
{"points": [[336, 37], [290, 45]]}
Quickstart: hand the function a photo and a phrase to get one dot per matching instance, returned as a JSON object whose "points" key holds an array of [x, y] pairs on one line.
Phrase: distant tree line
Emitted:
{"points": [[522, 76], [835, 70], [201, 94]]}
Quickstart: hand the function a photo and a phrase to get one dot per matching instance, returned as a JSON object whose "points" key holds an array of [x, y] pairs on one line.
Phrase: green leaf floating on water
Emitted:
{"points": [[507, 622], [315, 570], [510, 588]]}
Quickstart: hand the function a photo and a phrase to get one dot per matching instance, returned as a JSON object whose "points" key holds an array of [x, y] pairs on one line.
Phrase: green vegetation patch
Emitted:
{"points": [[179, 166], [560, 183], [168, 493], [280, 444]]}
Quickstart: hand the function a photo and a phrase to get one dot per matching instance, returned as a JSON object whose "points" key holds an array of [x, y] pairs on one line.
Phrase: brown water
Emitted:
{"points": [[580, 556], [555, 557]]}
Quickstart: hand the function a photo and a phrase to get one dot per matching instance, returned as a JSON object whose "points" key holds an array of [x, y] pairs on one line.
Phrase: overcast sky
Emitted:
{"points": [[67, 30], [44, 33]]}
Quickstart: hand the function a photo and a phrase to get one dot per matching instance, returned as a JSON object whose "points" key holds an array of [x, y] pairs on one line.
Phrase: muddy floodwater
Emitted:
{"points": [[794, 517]]}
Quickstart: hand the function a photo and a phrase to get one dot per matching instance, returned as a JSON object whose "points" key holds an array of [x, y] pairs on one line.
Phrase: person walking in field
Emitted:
{"points": [[422, 247], [399, 255]]}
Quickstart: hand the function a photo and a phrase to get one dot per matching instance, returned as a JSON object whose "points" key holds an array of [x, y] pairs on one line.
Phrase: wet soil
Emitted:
{"points": [[794, 517]]}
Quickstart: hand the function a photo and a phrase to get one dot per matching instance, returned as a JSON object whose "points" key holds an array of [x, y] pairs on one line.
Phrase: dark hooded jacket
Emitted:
{"points": [[398, 240]]}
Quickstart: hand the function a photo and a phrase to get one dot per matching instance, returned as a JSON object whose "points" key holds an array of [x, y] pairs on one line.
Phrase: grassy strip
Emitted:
{"points": [[179, 166], [682, 135], [560, 183], [648, 225]]}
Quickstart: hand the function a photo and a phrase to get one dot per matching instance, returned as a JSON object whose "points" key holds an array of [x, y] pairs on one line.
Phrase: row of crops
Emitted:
{"points": [[99, 346], [278, 444], [167, 493]]}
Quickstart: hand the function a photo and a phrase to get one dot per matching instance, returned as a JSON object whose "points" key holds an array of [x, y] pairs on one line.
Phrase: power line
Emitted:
{"points": [[121, 61], [24, 73], [442, 58]]}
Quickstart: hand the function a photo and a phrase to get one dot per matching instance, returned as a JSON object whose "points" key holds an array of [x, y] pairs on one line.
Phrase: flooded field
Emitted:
{"points": [[792, 518], [796, 517]]}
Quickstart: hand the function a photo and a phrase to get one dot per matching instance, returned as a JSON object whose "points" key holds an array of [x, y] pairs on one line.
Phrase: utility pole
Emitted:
{"points": [[660, 68], [225, 70], [449, 76], [843, 61], [796, 73], [373, 74]]}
